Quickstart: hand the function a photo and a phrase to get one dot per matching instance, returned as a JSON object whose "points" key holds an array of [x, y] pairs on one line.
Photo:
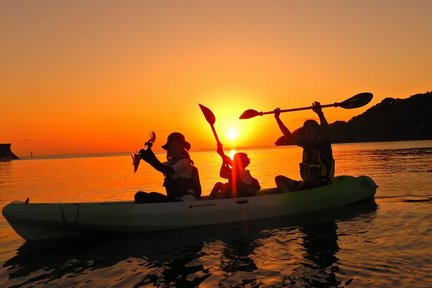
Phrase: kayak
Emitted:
{"points": [[38, 221]]}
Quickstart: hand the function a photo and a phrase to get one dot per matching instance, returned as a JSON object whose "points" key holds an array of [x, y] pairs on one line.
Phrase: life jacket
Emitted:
{"points": [[312, 166], [180, 186], [246, 189], [240, 188]]}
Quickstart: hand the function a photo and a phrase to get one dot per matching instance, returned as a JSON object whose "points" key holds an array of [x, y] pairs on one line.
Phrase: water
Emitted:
{"points": [[382, 244]]}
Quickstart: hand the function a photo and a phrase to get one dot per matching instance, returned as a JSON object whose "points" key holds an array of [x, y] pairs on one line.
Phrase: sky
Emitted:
{"points": [[98, 76]]}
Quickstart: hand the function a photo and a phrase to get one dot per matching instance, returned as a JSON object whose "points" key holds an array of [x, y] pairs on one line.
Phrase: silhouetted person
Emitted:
{"points": [[181, 176], [240, 181], [320, 242], [317, 167]]}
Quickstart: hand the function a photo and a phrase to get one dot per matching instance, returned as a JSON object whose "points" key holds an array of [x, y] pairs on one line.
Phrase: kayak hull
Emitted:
{"points": [[38, 221]]}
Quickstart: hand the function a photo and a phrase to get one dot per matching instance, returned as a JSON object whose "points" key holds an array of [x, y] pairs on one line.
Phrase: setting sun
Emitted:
{"points": [[232, 134]]}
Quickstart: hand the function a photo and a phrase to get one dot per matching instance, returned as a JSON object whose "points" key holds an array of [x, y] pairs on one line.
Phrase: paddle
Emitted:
{"points": [[356, 101], [211, 119], [136, 157]]}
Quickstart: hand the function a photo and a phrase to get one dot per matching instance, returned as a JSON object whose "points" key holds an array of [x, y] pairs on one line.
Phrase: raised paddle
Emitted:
{"points": [[136, 157], [211, 119], [356, 101]]}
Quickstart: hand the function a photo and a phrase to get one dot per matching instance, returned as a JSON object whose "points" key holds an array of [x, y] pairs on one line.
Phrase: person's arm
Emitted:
{"points": [[225, 170], [323, 121], [225, 158], [281, 125], [148, 156]]}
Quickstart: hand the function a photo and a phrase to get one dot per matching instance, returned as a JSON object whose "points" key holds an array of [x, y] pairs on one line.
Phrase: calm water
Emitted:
{"points": [[382, 244]]}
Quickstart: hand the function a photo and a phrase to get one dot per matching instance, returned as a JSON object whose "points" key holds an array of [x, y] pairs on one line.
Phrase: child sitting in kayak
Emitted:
{"points": [[181, 176], [240, 181]]}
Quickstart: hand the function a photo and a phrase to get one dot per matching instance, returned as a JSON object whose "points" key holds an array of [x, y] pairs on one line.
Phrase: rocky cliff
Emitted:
{"points": [[5, 152]]}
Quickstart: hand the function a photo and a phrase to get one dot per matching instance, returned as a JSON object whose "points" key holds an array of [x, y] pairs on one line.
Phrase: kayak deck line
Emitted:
{"points": [[38, 221]]}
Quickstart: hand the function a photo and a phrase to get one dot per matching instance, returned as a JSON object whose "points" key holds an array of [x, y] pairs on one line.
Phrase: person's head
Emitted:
{"points": [[241, 160], [176, 144], [309, 131]]}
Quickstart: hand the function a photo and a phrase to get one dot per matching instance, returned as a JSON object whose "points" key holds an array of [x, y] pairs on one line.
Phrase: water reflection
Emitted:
{"points": [[224, 256], [320, 242], [179, 268], [237, 264], [5, 173]]}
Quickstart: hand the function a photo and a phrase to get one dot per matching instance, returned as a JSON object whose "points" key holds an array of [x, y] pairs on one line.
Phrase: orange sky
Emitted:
{"points": [[98, 76]]}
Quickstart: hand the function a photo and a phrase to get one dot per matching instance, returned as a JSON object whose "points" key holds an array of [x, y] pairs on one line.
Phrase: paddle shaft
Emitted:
{"points": [[299, 109], [356, 101], [215, 134]]}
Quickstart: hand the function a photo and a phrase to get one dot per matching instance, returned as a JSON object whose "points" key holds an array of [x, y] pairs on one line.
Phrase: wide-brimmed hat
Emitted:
{"points": [[177, 137]]}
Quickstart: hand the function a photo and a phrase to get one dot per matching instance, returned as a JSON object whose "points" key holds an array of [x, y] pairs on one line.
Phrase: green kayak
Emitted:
{"points": [[37, 221]]}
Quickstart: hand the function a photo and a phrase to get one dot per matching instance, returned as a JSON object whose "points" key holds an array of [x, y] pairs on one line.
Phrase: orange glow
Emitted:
{"points": [[101, 85]]}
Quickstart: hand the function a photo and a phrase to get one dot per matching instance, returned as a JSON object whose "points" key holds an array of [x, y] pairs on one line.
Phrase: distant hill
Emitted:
{"points": [[390, 120]]}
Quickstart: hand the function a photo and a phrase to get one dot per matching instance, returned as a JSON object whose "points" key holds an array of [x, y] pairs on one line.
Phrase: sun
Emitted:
{"points": [[232, 134]]}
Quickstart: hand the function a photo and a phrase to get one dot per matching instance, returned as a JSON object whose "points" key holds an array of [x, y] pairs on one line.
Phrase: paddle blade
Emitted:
{"points": [[135, 161], [152, 136], [356, 101], [250, 113], [208, 114]]}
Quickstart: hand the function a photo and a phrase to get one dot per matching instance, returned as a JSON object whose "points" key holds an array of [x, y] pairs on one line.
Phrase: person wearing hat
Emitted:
{"points": [[317, 167], [240, 181], [181, 176]]}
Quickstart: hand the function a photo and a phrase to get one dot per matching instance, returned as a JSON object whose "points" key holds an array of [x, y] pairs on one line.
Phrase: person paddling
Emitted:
{"points": [[317, 167], [181, 181], [240, 181]]}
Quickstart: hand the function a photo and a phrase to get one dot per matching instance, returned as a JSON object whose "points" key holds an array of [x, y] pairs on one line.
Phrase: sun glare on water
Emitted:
{"points": [[232, 153]]}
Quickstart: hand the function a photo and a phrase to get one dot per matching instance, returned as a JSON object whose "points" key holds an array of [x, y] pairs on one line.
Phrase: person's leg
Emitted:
{"points": [[155, 197], [141, 197], [152, 197], [215, 191], [286, 184], [226, 191], [309, 184]]}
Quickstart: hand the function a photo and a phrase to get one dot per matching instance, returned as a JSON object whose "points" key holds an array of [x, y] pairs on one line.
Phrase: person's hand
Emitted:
{"points": [[145, 154], [220, 149], [148, 144], [277, 112], [316, 107]]}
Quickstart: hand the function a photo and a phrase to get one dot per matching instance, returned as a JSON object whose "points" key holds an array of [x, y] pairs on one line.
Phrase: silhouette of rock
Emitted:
{"points": [[5, 153]]}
